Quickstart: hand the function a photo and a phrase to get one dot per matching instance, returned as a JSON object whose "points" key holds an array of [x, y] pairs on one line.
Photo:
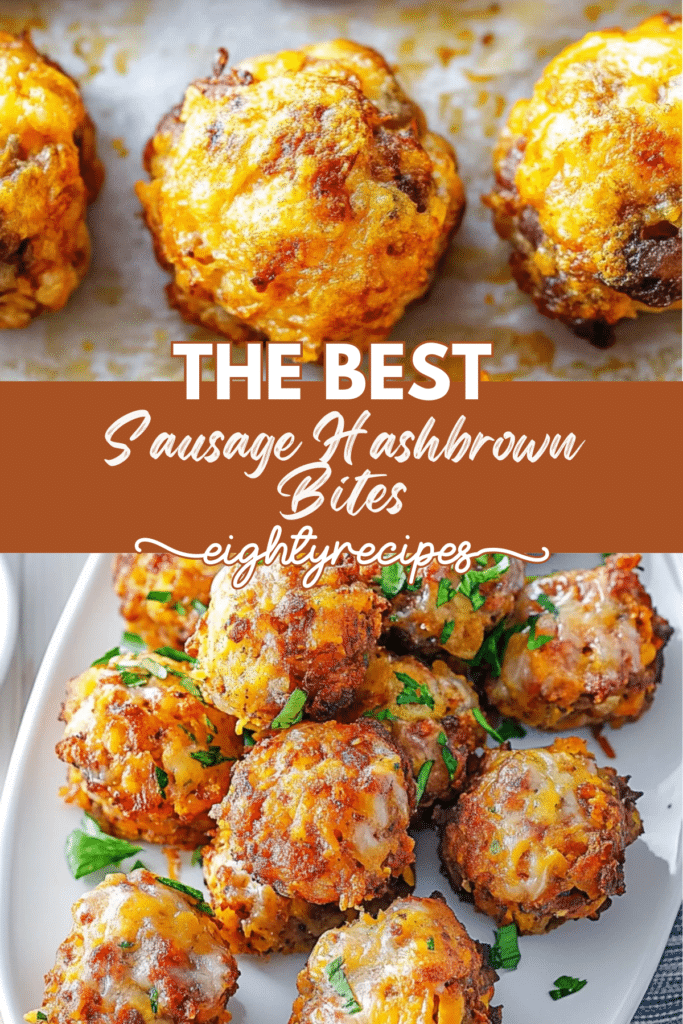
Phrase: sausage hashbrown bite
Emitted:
{"points": [[184, 584], [139, 951], [299, 197], [538, 837], [428, 711], [147, 759], [603, 660], [49, 172], [318, 813], [414, 964], [449, 611], [588, 180], [256, 645]]}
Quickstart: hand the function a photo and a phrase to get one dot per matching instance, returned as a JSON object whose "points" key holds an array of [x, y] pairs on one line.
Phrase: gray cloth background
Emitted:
{"points": [[662, 1003]]}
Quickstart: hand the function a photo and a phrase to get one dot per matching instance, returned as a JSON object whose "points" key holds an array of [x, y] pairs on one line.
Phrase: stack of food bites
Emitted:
{"points": [[300, 732]]}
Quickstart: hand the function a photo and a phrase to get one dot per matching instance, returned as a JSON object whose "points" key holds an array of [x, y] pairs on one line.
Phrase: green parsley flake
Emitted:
{"points": [[197, 858], [449, 760], [199, 606], [509, 729], [566, 986], [430, 942], [154, 1000], [485, 725], [171, 652], [211, 757], [132, 643], [126, 945], [472, 580], [187, 890], [445, 593], [422, 780], [40, 1015], [292, 712], [162, 780], [89, 848], [413, 692], [534, 642], [180, 608], [248, 738], [339, 982], [495, 847], [106, 657], [546, 603], [154, 667], [392, 579], [381, 714], [163, 596], [130, 677], [448, 627], [139, 865], [505, 951]]}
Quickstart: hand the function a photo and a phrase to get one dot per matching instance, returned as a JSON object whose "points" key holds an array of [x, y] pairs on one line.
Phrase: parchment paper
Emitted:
{"points": [[465, 62]]}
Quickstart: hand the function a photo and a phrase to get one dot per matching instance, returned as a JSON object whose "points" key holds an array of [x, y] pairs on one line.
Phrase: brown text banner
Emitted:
{"points": [[570, 466]]}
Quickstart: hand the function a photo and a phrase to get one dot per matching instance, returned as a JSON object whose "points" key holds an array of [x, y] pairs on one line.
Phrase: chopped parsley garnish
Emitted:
{"points": [[472, 580], [423, 779], [174, 655], [509, 729], [339, 982], [448, 627], [381, 714], [180, 608], [430, 942], [89, 848], [197, 858], [211, 757], [449, 760], [248, 738], [546, 603], [162, 780], [534, 642], [445, 593], [190, 735], [393, 580], [105, 657], [139, 865], [413, 692], [152, 666], [125, 944], [292, 712], [199, 606], [132, 643], [566, 986], [129, 677], [163, 596], [40, 1015], [188, 684], [505, 951], [495, 847], [154, 1000], [485, 725], [187, 890]]}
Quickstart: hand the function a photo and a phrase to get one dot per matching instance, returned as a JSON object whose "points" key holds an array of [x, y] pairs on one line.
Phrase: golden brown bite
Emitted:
{"points": [[413, 964], [588, 180], [428, 711], [538, 837], [139, 951], [317, 813], [146, 757], [603, 660], [299, 197], [182, 587], [49, 172], [257, 644]]}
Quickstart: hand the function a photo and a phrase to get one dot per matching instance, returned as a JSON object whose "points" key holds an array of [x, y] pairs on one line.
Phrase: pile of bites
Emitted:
{"points": [[300, 197], [298, 734]]}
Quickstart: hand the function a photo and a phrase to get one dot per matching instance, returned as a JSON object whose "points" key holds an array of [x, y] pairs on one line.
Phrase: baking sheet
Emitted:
{"points": [[617, 955], [465, 62]]}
